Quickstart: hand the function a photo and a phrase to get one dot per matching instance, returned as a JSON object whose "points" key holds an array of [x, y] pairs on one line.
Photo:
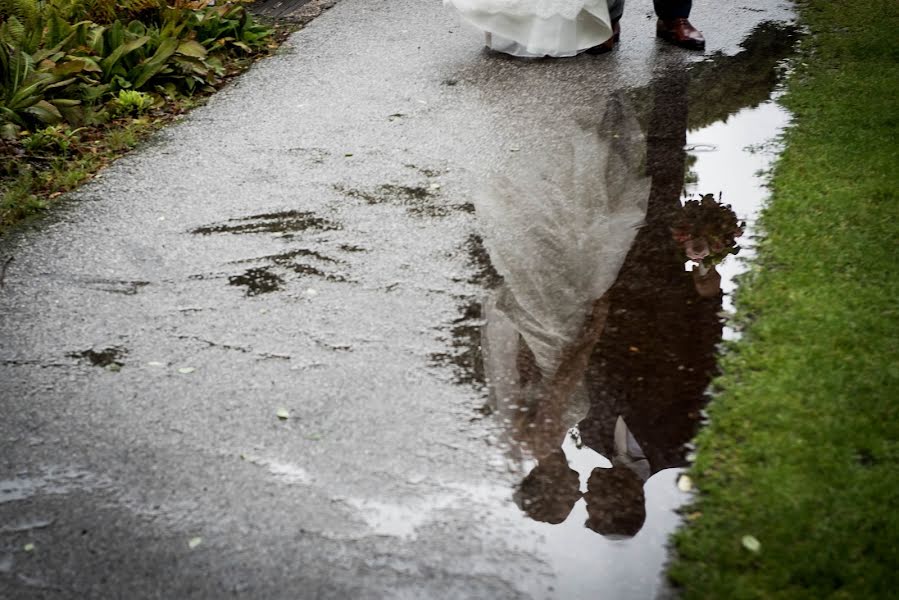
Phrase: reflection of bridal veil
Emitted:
{"points": [[558, 233]]}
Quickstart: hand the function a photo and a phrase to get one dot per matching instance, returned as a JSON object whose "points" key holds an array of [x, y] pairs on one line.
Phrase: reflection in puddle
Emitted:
{"points": [[287, 473], [735, 167], [597, 344], [465, 355], [401, 520], [24, 525], [283, 472], [53, 481]]}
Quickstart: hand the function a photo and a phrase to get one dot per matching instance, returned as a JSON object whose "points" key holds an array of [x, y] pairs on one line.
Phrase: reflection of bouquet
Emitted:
{"points": [[707, 230]]}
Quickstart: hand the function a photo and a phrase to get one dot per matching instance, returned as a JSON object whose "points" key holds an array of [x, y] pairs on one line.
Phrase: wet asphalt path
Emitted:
{"points": [[301, 243]]}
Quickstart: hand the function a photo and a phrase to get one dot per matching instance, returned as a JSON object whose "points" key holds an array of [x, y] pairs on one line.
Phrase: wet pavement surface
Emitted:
{"points": [[391, 317]]}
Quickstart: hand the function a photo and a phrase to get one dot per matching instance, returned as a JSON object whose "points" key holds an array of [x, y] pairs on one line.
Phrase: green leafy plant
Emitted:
{"points": [[26, 92], [228, 26], [131, 102], [56, 68], [56, 139], [79, 78]]}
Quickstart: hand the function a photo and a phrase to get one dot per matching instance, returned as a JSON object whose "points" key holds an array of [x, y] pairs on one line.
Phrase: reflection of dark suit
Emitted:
{"points": [[672, 9], [656, 354]]}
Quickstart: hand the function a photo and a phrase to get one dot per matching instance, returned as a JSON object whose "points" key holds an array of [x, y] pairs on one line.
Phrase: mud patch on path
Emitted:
{"points": [[116, 286], [257, 281], [288, 258], [111, 358], [273, 275], [273, 272], [287, 223], [419, 200]]}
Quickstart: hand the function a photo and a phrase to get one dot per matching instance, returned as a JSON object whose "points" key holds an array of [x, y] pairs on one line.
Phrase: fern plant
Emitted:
{"points": [[66, 60], [25, 11]]}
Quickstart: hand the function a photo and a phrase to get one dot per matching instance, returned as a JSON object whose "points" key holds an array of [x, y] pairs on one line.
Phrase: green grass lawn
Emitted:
{"points": [[802, 451]]}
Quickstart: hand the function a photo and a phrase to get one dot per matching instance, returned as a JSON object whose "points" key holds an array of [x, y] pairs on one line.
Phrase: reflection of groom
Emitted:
{"points": [[650, 368], [655, 356], [673, 25]]}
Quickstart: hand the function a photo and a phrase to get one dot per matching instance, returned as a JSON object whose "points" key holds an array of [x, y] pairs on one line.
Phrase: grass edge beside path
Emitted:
{"points": [[801, 448]]}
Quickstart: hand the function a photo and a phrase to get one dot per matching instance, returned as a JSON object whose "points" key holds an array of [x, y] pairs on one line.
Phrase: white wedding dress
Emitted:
{"points": [[536, 28]]}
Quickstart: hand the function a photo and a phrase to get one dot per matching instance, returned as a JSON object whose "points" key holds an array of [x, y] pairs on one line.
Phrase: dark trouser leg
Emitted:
{"points": [[616, 9], [672, 9]]}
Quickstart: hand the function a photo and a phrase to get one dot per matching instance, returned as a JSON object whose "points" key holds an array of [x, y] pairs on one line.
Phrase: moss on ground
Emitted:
{"points": [[801, 450]]}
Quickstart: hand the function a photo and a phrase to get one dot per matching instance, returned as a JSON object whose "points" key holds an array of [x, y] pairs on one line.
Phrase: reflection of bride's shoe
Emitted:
{"points": [[609, 44]]}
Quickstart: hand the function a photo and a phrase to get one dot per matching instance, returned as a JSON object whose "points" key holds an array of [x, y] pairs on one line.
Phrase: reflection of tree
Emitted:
{"points": [[722, 85]]}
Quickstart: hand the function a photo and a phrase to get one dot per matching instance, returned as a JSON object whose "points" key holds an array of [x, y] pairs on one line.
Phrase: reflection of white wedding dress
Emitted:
{"points": [[534, 28], [558, 233]]}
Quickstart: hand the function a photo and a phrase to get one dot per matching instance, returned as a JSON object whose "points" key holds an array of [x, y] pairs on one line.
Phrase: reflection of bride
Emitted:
{"points": [[558, 238], [596, 315]]}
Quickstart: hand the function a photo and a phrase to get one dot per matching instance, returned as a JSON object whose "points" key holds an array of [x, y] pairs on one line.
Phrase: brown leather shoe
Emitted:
{"points": [[609, 44], [680, 32]]}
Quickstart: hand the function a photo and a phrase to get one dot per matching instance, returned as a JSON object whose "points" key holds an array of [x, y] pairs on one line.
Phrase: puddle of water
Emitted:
{"points": [[283, 472], [27, 525], [597, 344], [743, 150], [289, 473], [285, 223], [465, 354], [53, 481], [401, 520]]}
